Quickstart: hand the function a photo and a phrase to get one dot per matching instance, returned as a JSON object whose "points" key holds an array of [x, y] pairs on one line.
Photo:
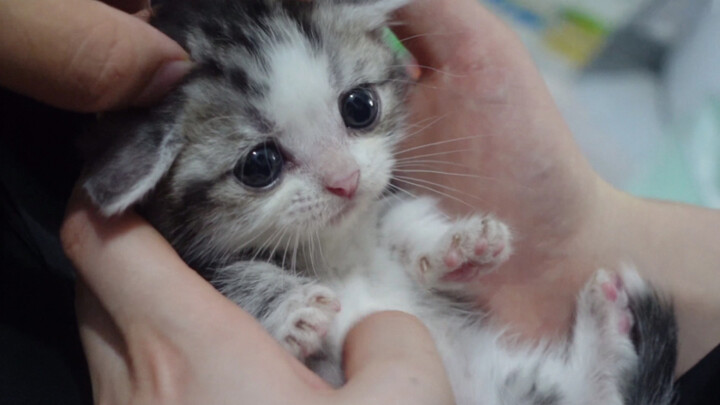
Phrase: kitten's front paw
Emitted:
{"points": [[308, 312], [469, 248]]}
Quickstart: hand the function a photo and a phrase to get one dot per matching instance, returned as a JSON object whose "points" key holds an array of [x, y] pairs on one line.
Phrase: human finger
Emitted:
{"points": [[439, 31], [85, 55], [129, 6], [390, 357], [105, 349], [128, 265]]}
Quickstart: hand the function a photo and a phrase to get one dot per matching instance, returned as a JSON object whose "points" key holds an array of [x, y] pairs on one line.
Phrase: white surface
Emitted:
{"points": [[693, 74]]}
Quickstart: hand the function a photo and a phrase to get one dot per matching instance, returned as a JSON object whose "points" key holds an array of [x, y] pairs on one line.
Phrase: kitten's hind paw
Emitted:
{"points": [[606, 300], [469, 248], [602, 326], [308, 313]]}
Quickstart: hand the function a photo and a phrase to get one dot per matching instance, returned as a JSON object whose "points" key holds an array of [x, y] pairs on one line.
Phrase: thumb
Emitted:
{"points": [[84, 55], [390, 358]]}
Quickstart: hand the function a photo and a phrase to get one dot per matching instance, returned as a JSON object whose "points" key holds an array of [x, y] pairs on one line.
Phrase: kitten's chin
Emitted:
{"points": [[351, 212]]}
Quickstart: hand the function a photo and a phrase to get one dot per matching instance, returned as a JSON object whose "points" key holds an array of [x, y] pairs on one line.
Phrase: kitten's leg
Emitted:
{"points": [[295, 310], [591, 369], [445, 254], [601, 352]]}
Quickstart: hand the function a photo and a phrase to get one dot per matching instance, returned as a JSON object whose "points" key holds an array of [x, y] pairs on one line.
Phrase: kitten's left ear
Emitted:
{"points": [[370, 13], [141, 150]]}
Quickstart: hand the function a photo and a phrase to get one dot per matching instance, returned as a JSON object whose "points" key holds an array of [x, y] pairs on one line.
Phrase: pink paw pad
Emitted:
{"points": [[610, 291], [452, 259], [465, 273], [614, 291], [481, 247]]}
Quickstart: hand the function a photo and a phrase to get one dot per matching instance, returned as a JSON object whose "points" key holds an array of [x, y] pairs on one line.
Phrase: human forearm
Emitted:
{"points": [[677, 247]]}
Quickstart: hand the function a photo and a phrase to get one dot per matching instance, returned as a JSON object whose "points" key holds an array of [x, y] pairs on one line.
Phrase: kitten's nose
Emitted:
{"points": [[343, 185]]}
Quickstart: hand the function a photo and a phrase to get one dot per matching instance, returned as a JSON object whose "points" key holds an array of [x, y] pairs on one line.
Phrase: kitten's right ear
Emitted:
{"points": [[140, 152]]}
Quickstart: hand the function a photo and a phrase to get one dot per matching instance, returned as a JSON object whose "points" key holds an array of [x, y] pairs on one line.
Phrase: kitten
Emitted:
{"points": [[269, 171]]}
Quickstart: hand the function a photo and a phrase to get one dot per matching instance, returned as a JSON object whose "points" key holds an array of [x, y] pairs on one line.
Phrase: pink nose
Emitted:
{"points": [[343, 186]]}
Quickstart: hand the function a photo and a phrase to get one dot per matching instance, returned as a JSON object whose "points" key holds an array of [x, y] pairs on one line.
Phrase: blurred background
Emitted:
{"points": [[639, 84]]}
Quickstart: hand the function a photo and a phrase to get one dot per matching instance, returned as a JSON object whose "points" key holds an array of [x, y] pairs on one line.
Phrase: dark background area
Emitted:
{"points": [[41, 359]]}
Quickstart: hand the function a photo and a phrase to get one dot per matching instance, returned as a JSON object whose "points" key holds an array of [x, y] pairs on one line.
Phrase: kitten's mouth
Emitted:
{"points": [[342, 214]]}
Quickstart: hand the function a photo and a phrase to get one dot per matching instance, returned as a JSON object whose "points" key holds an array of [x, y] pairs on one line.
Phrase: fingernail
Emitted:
{"points": [[165, 78]]}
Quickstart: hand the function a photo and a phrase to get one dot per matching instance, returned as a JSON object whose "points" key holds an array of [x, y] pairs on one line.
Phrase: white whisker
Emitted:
{"points": [[293, 261], [474, 176], [421, 162], [428, 188], [326, 266], [395, 187], [446, 141], [447, 152], [422, 128], [311, 254], [285, 252], [431, 34], [441, 186], [435, 70]]}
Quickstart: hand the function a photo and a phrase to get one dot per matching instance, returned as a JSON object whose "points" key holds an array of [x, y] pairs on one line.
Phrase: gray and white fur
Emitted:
{"points": [[269, 171]]}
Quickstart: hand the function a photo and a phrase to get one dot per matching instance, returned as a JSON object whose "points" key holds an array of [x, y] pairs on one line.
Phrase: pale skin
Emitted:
{"points": [[567, 220]]}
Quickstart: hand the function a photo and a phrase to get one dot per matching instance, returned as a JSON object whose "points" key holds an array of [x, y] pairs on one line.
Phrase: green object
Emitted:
{"points": [[395, 42], [585, 21]]}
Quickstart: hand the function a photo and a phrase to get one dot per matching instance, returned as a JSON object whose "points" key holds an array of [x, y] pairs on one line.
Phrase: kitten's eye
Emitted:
{"points": [[359, 108], [261, 167]]}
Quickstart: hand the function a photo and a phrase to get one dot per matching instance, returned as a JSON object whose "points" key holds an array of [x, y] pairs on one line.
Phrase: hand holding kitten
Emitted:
{"points": [[154, 332], [481, 98], [61, 52]]}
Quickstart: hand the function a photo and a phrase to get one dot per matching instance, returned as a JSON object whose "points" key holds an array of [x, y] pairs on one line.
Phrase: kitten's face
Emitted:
{"points": [[288, 132]]}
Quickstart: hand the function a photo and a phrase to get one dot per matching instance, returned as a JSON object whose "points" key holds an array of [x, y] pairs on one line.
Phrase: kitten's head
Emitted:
{"points": [[285, 129]]}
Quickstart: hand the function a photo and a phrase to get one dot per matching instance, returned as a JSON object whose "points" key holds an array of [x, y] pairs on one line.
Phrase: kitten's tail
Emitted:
{"points": [[655, 339]]}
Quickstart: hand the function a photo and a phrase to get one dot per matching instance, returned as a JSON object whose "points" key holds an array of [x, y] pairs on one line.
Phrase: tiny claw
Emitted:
{"points": [[456, 239], [333, 304], [293, 342], [424, 265], [499, 249]]}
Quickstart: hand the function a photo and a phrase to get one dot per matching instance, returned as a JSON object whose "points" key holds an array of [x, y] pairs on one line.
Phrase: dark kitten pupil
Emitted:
{"points": [[261, 167], [359, 108]]}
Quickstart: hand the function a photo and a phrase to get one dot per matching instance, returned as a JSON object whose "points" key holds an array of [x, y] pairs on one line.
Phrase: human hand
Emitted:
{"points": [[155, 332], [482, 110], [85, 55]]}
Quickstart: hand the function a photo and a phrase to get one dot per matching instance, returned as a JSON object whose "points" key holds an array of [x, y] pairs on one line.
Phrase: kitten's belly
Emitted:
{"points": [[471, 354], [380, 285]]}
